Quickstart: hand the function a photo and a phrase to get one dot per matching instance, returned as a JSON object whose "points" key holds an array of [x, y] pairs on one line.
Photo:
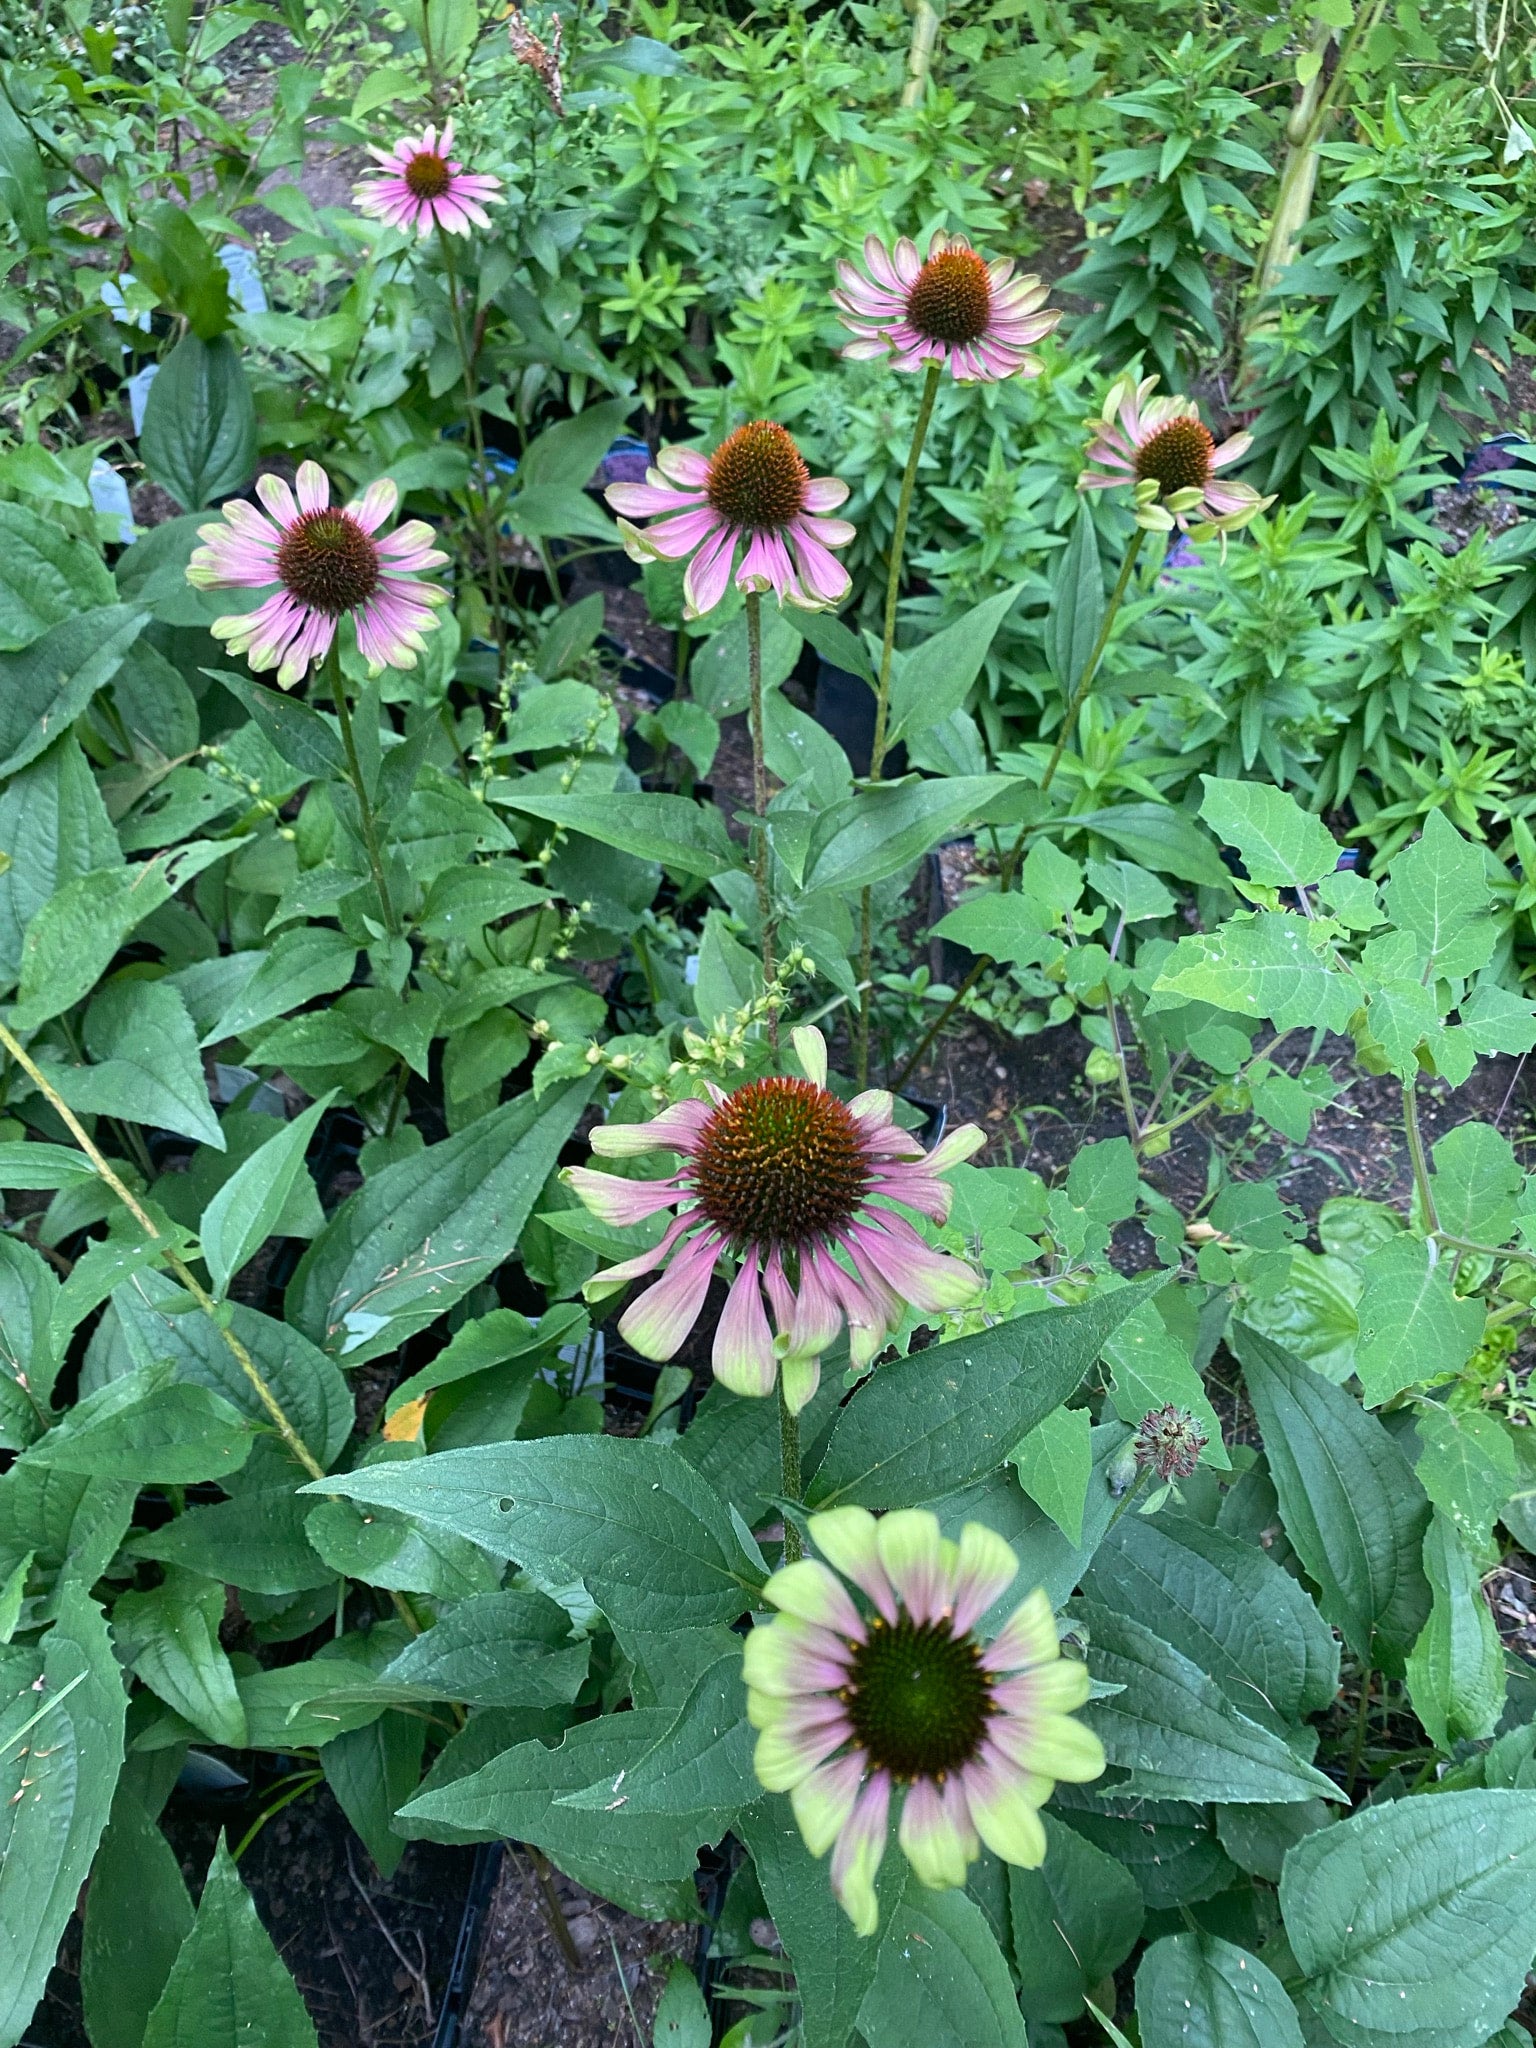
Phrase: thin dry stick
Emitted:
{"points": [[173, 1258]]}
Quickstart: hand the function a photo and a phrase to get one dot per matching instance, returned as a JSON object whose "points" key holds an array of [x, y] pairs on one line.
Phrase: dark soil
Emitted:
{"points": [[528, 1995]]}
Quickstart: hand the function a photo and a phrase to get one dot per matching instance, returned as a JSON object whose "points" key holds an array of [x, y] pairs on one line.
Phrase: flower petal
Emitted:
{"points": [[811, 1052], [658, 1320], [986, 1570], [846, 1538], [858, 1851], [912, 1551], [1028, 1637], [823, 1801], [812, 1591], [1002, 1814], [743, 1356], [621, 1202], [677, 1129], [933, 1836], [787, 1659]]}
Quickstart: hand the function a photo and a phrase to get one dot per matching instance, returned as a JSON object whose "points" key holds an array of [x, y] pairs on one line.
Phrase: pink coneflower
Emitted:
{"points": [[794, 1184], [957, 309], [755, 490], [1163, 448], [855, 1705], [423, 187], [327, 565]]}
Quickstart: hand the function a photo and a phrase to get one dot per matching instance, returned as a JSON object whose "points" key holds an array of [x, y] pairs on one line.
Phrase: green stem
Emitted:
{"points": [[336, 683], [173, 1259], [925, 36], [789, 1461], [490, 539], [760, 854], [1357, 1752], [1091, 665], [878, 746], [1418, 1161], [1006, 873]]}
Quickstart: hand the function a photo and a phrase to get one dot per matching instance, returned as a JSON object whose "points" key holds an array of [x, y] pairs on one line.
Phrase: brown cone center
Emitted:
{"points": [[780, 1162], [952, 298], [757, 477], [427, 175], [1178, 455], [326, 561]]}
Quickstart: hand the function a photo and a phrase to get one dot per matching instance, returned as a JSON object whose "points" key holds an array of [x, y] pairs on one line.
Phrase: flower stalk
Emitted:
{"points": [[490, 538], [335, 682], [761, 856], [789, 1465]]}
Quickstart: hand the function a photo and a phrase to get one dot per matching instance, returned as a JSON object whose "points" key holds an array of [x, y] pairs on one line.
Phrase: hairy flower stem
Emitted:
{"points": [[336, 684], [1011, 859], [789, 1460], [877, 749], [490, 539], [173, 1259], [760, 853]]}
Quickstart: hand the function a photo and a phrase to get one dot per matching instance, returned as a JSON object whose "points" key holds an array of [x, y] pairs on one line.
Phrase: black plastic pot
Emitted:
{"points": [[845, 706]]}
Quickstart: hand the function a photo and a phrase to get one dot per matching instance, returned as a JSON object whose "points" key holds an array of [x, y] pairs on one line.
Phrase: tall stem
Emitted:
{"points": [[760, 854], [877, 750], [789, 1462], [336, 682], [925, 37], [173, 1259], [1417, 1159], [490, 539], [1011, 859]]}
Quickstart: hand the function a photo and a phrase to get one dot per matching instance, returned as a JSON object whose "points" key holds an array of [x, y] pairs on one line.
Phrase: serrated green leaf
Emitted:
{"points": [[228, 1987], [674, 830], [941, 1978], [1262, 965], [170, 1638], [1468, 1466], [1281, 844], [146, 1066], [1054, 1463], [149, 1427], [701, 1764], [45, 688], [1413, 1327], [1438, 890]]}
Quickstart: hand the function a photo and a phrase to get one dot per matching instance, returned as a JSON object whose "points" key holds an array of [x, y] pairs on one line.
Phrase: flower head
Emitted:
{"points": [[327, 564], [542, 59], [756, 491], [422, 187], [857, 1702], [1163, 448], [975, 317], [795, 1185], [1169, 1440]]}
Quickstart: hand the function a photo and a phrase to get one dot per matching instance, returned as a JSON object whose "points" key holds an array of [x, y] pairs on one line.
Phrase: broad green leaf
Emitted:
{"points": [[834, 641], [674, 830], [1262, 965], [149, 1427], [137, 1913], [62, 1711], [389, 1550], [567, 454], [1419, 1914], [228, 1987], [638, 1860], [931, 1424], [1075, 1920], [1137, 895], [654, 1545], [1456, 1668], [23, 180], [501, 1649], [1077, 604], [1468, 1467], [1054, 1463], [1197, 1991], [682, 2017], [1169, 1847], [1495, 1020], [879, 831], [834, 1967], [1259, 1838], [1412, 1326], [255, 1542], [701, 1764], [297, 967], [170, 1638], [932, 680], [1313, 1316], [54, 826], [1475, 1182], [1174, 1729], [1349, 1500], [298, 732], [941, 1978], [70, 1526], [159, 1322], [373, 1771], [1227, 1606], [199, 434], [1281, 844], [29, 1359], [1102, 1180], [146, 1066], [733, 1443], [1159, 837], [106, 1263], [246, 1210], [1438, 890], [71, 941], [1011, 927], [44, 689], [45, 577], [487, 1341], [305, 1706], [417, 1236]]}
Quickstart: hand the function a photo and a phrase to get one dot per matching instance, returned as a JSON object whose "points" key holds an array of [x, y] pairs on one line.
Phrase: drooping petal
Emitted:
{"points": [[612, 1278], [811, 1052], [612, 1199], [858, 1851], [933, 1282], [786, 1754], [1002, 1813], [932, 1836], [677, 1129], [743, 1356], [817, 1316], [823, 1801], [799, 1377], [657, 1321]]}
